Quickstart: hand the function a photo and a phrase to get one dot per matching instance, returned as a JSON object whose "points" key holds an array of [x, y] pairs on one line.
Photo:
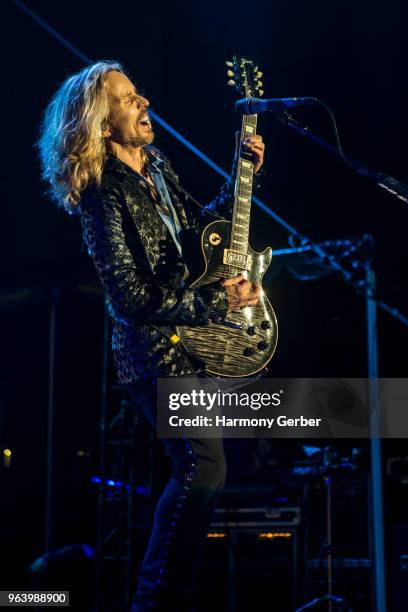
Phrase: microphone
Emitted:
{"points": [[253, 106]]}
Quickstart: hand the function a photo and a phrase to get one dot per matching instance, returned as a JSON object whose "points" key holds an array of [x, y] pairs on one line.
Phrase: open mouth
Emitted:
{"points": [[145, 121]]}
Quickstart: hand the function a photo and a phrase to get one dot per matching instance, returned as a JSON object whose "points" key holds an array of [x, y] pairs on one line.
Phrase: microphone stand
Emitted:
{"points": [[400, 190], [333, 601], [385, 181]]}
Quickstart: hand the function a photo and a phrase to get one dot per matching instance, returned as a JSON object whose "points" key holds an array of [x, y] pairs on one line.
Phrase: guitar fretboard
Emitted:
{"points": [[243, 192]]}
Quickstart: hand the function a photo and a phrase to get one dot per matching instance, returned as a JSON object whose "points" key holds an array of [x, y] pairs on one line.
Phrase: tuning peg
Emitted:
{"points": [[259, 84], [229, 64], [231, 83], [259, 74], [261, 92], [230, 73]]}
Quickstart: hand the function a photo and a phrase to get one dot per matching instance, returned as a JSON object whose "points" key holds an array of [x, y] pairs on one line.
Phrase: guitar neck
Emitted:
{"points": [[243, 191]]}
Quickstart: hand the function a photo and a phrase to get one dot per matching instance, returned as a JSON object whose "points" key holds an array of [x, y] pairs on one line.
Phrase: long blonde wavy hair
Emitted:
{"points": [[71, 146]]}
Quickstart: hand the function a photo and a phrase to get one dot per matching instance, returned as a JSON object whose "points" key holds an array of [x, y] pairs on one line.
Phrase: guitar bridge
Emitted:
{"points": [[236, 259]]}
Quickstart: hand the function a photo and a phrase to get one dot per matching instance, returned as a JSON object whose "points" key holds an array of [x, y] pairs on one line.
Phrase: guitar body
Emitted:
{"points": [[245, 343]]}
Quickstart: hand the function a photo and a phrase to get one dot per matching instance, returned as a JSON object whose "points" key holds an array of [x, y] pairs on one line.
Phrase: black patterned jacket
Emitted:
{"points": [[141, 270]]}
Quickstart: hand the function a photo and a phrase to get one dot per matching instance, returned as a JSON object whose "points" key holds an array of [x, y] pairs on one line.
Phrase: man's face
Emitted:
{"points": [[128, 121]]}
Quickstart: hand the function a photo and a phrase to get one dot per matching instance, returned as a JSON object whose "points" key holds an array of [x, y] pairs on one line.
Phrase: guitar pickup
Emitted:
{"points": [[236, 259]]}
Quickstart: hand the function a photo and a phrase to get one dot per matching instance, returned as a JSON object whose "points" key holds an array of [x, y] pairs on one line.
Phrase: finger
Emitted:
{"points": [[255, 149], [258, 163], [253, 302], [249, 138], [234, 280], [256, 138], [253, 296], [253, 143], [250, 146], [256, 290], [244, 288], [257, 156], [258, 146]]}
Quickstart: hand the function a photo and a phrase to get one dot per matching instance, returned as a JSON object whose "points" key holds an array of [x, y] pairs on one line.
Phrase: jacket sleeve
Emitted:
{"points": [[133, 293]]}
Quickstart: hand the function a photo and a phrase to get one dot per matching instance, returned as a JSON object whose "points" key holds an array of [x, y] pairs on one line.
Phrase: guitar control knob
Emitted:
{"points": [[252, 330], [266, 324], [262, 345], [249, 351]]}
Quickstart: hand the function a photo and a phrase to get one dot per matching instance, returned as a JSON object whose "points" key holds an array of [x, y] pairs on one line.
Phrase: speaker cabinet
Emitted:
{"points": [[249, 568]]}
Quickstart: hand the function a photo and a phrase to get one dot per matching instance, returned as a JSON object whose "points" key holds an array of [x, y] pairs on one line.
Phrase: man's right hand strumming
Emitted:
{"points": [[241, 292]]}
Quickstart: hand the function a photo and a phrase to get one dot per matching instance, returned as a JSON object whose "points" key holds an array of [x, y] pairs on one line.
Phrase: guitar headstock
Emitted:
{"points": [[244, 75]]}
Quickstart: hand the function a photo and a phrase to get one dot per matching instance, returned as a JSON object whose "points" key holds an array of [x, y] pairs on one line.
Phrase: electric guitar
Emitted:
{"points": [[244, 343]]}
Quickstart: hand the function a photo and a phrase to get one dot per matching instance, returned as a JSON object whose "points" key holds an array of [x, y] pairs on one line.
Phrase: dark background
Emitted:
{"points": [[350, 54]]}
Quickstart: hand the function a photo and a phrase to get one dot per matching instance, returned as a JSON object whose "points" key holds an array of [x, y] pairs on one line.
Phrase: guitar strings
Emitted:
{"points": [[242, 209], [239, 207]]}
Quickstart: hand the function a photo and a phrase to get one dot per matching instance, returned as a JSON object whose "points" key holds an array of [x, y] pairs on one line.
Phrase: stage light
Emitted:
{"points": [[7, 457], [139, 489], [271, 535], [216, 534]]}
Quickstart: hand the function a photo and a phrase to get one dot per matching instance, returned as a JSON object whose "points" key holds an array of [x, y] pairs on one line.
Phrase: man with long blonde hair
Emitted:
{"points": [[97, 157]]}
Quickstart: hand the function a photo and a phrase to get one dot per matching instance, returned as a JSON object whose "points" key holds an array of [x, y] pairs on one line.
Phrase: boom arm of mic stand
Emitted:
{"points": [[331, 262], [389, 183]]}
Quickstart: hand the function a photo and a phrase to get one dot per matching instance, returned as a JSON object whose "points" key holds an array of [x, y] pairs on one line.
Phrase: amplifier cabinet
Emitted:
{"points": [[248, 567]]}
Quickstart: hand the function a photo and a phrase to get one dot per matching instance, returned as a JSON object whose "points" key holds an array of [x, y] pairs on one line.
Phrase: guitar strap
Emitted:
{"points": [[189, 196]]}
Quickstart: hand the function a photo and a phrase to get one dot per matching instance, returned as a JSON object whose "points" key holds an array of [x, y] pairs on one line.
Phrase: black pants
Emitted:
{"points": [[181, 520]]}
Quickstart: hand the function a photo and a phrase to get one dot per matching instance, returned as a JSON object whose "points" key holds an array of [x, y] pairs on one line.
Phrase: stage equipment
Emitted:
{"points": [[124, 500], [326, 469], [264, 516], [254, 544], [247, 567], [399, 568], [396, 494], [256, 561], [264, 506], [365, 285]]}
